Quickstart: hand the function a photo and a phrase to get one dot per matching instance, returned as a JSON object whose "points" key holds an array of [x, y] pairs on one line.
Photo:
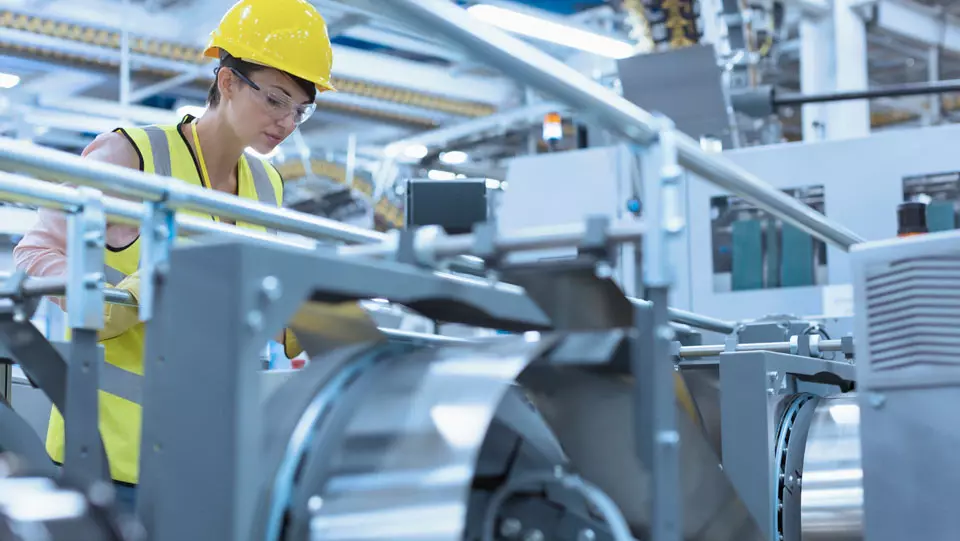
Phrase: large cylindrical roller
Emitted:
{"points": [[415, 444], [819, 476]]}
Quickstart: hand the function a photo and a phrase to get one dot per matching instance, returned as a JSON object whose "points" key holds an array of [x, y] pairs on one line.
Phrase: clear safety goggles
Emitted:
{"points": [[279, 104]]}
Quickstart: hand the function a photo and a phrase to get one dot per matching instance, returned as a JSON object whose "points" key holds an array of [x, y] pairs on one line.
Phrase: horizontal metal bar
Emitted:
{"points": [[884, 91], [23, 157], [688, 352], [692, 319], [539, 238], [56, 286], [551, 76]]}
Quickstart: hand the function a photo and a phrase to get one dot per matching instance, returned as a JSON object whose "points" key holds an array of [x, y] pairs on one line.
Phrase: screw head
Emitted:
{"points": [[586, 535], [510, 527]]}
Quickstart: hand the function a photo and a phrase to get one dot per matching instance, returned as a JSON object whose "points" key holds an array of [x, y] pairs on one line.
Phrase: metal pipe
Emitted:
{"points": [[551, 76], [688, 352], [885, 91], [534, 238], [698, 321], [56, 286], [52, 164]]}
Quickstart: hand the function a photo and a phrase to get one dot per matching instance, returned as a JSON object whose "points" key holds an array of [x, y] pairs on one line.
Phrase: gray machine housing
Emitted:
{"points": [[909, 379]]}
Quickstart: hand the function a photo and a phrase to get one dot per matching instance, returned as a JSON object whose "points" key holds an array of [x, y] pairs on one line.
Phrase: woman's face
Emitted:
{"points": [[266, 107]]}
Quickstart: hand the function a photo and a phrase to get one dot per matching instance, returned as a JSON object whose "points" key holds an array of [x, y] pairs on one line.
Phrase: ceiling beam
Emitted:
{"points": [[916, 22], [349, 63]]}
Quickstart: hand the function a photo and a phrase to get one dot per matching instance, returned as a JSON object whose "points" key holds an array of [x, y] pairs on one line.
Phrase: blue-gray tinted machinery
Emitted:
{"points": [[599, 416]]}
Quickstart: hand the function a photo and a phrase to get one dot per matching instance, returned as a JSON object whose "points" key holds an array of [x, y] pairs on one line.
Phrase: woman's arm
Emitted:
{"points": [[43, 250]]}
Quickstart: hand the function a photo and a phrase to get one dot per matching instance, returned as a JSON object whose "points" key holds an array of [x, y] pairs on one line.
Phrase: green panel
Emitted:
{"points": [[797, 262], [941, 216], [773, 255], [747, 265]]}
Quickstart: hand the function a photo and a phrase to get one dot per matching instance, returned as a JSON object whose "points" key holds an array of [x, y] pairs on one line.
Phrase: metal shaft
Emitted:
{"points": [[688, 352], [551, 76], [35, 286], [886, 91]]}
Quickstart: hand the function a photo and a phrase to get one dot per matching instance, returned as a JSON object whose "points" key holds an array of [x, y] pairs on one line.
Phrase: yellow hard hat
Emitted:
{"points": [[288, 35]]}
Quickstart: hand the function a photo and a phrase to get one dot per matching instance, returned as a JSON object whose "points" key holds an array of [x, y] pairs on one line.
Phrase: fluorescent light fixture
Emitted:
{"points": [[194, 110], [493, 184], [554, 32], [417, 152], [9, 80], [454, 157], [436, 174]]}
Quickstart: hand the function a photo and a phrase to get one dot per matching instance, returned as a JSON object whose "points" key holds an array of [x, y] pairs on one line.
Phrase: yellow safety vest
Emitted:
{"points": [[162, 150]]}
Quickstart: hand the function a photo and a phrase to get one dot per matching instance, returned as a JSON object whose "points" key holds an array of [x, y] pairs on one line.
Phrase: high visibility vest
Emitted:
{"points": [[162, 150]]}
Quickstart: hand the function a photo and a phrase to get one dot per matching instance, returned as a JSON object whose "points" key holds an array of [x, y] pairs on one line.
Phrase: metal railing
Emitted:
{"points": [[49, 163]]}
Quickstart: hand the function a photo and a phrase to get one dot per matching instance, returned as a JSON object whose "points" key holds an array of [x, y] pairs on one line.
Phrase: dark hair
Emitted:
{"points": [[246, 69]]}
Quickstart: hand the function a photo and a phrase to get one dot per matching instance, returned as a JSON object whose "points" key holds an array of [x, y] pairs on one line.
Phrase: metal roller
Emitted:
{"points": [[832, 497], [403, 442], [820, 482]]}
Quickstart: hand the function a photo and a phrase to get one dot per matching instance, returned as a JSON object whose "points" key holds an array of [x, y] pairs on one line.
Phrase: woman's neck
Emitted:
{"points": [[221, 150]]}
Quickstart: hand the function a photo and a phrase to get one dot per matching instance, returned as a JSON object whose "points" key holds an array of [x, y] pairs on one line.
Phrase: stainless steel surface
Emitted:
{"points": [[711, 350], [404, 465], [551, 76], [591, 414], [832, 493], [51, 164]]}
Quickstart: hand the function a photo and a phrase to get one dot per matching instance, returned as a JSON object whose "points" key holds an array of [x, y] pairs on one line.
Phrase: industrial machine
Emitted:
{"points": [[596, 412]]}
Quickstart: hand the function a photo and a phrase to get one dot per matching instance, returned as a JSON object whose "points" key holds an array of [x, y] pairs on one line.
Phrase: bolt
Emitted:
{"points": [[255, 320], [586, 535], [533, 535], [603, 270], [877, 400], [510, 527], [314, 504], [271, 288]]}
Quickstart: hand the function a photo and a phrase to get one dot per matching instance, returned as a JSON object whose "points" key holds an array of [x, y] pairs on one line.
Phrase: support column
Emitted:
{"points": [[816, 72], [933, 75], [849, 119]]}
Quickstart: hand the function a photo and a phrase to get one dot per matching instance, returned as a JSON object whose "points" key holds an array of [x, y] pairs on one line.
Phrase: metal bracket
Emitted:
{"points": [[85, 271], [654, 369], [157, 233]]}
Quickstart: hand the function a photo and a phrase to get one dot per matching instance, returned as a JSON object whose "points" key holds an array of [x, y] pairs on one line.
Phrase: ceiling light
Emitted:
{"points": [[436, 174], [9, 80], [493, 184], [417, 152], [454, 157], [554, 32]]}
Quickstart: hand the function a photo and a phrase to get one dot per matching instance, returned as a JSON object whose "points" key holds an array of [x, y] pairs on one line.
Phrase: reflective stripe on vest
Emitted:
{"points": [[120, 382], [160, 145], [112, 275]]}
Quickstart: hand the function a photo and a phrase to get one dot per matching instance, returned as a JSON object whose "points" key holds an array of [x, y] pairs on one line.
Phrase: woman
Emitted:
{"points": [[275, 56]]}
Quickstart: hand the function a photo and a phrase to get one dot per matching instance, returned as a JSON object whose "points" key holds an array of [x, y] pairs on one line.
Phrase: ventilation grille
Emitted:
{"points": [[913, 315]]}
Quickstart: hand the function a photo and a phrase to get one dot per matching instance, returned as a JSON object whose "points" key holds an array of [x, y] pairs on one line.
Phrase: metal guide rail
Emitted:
{"points": [[430, 245]]}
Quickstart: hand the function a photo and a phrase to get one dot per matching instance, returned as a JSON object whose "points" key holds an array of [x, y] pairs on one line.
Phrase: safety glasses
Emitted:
{"points": [[278, 103]]}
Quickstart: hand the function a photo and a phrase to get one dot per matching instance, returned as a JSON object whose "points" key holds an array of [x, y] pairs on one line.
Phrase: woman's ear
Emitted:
{"points": [[225, 83]]}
